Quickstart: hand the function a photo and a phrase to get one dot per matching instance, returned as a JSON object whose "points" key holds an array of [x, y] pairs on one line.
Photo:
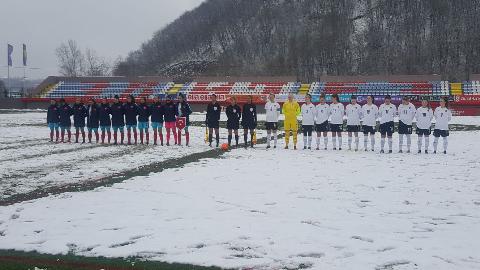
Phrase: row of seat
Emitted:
{"points": [[145, 89]]}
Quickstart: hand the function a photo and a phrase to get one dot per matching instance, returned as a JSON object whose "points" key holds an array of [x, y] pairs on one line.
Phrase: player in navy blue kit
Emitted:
{"points": [[79, 115], [65, 121], [93, 120], [105, 121], [212, 120], [118, 119], [131, 112], [183, 110], [249, 121], [234, 114], [157, 111], [170, 116], [143, 120], [53, 120]]}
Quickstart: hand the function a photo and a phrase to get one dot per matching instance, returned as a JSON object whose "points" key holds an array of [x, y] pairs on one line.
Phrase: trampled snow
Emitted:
{"points": [[270, 209]]}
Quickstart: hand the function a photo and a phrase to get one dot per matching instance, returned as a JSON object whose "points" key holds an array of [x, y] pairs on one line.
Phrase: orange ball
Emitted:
{"points": [[225, 147]]}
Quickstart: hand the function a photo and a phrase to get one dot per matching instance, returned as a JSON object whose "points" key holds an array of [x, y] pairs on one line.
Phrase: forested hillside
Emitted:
{"points": [[311, 38]]}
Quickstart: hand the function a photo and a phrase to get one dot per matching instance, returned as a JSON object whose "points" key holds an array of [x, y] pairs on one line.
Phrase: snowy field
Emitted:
{"points": [[252, 208]]}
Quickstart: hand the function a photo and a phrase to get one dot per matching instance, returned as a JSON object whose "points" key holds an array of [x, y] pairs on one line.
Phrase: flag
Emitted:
{"points": [[9, 54], [24, 55]]}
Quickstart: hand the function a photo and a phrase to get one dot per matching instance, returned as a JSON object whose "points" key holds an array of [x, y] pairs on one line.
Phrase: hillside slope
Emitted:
{"points": [[310, 38]]}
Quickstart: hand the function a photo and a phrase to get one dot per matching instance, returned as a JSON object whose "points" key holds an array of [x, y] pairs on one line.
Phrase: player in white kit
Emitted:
{"points": [[387, 113], [424, 116], [369, 122], [337, 111], [308, 121], [273, 112], [442, 117], [321, 121], [354, 114], [406, 113]]}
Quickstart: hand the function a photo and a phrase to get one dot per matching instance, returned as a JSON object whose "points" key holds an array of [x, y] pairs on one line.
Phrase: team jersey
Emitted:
{"points": [[387, 113], [424, 117], [273, 111], [354, 113], [308, 114], [337, 112], [369, 115], [442, 117], [322, 113], [406, 113], [291, 110]]}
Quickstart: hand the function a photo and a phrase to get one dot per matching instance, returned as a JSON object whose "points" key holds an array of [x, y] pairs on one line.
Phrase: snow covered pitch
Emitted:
{"points": [[250, 208]]}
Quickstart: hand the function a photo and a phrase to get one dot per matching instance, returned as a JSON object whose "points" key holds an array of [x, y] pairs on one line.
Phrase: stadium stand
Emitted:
{"points": [[146, 89]]}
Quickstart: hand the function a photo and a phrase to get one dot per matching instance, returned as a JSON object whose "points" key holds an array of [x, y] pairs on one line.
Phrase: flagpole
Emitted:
{"points": [[8, 78]]}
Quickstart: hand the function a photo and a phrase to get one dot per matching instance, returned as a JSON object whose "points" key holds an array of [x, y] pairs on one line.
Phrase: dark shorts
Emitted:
{"points": [[323, 127], [233, 125], [440, 133], [215, 124], [249, 126], [271, 125], [336, 127], [307, 130], [404, 129], [387, 128], [353, 128], [423, 132], [368, 129]]}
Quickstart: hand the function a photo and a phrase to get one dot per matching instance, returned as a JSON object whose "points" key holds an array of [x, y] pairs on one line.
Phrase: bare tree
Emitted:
{"points": [[95, 65], [70, 59]]}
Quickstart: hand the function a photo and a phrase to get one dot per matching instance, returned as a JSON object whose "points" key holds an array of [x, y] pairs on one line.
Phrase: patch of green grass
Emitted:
{"points": [[18, 260]]}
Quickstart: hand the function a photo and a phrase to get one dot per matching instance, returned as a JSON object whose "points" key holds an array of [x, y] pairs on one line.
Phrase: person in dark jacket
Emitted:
{"points": [[170, 116], [157, 111], [183, 110], [53, 119], [93, 119], [104, 117], [249, 120], [79, 114], [131, 112], [143, 119], [118, 119], [65, 112], [212, 120], [234, 114]]}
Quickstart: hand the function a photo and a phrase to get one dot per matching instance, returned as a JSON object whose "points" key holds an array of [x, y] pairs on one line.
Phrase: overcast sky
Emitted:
{"points": [[111, 27]]}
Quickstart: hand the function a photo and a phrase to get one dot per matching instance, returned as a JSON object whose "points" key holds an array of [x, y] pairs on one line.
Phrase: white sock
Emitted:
{"points": [[325, 141], [339, 142], [435, 144], [275, 138], [318, 141], [419, 142], [400, 142], [365, 141], [445, 143], [304, 140], [357, 141], [372, 141], [349, 142], [409, 142], [427, 142], [390, 143], [269, 138], [310, 141], [334, 142], [382, 143]]}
